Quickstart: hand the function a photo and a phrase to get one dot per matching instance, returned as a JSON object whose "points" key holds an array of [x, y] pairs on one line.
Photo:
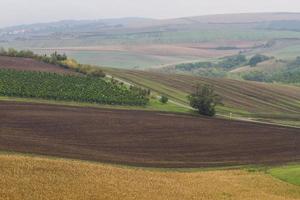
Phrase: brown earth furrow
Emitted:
{"points": [[142, 138]]}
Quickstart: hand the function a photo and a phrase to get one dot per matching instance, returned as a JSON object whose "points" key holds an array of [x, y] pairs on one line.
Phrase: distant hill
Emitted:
{"points": [[72, 26], [145, 43], [92, 28]]}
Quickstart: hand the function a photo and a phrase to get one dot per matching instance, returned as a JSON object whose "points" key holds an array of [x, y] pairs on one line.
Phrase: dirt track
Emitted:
{"points": [[142, 138], [28, 64]]}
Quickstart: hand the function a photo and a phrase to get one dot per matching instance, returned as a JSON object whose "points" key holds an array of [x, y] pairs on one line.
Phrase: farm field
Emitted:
{"points": [[144, 56], [240, 97], [156, 36], [140, 138], [110, 118], [269, 102], [127, 60], [28, 64], [60, 87], [31, 65], [289, 53], [33, 178]]}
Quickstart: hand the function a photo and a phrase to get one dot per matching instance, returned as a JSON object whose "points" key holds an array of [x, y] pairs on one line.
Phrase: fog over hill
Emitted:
{"points": [[145, 42], [135, 24]]}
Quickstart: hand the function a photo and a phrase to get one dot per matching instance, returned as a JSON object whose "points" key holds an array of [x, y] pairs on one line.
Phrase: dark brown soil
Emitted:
{"points": [[142, 138], [28, 64]]}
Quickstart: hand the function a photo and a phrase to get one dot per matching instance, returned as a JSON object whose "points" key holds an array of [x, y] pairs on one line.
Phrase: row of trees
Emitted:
{"points": [[226, 63]]}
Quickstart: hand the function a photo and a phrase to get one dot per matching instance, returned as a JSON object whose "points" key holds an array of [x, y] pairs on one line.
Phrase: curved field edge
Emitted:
{"points": [[151, 139], [24, 177], [288, 173]]}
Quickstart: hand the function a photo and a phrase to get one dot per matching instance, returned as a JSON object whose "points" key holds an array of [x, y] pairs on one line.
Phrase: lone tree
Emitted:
{"points": [[205, 100], [163, 99]]}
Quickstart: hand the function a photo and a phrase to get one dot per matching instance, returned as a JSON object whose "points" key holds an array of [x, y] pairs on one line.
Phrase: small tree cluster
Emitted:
{"points": [[258, 58]]}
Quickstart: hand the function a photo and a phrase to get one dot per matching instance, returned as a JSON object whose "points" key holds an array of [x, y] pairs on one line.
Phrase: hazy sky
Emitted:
{"points": [[14, 12]]}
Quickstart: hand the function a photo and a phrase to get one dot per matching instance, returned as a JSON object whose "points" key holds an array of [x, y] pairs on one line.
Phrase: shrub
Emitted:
{"points": [[164, 99]]}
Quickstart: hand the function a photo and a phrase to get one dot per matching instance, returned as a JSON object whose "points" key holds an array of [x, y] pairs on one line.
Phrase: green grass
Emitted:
{"points": [[168, 107], [290, 173]]}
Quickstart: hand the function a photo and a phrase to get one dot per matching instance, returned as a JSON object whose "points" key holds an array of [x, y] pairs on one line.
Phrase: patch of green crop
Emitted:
{"points": [[53, 86], [290, 173]]}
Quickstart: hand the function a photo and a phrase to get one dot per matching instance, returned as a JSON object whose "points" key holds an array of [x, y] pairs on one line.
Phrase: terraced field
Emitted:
{"points": [[142, 138]]}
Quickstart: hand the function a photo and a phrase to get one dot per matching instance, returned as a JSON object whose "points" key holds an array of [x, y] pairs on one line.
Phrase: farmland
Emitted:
{"points": [[240, 97], [144, 56], [61, 87], [78, 131], [154, 43], [33, 178], [182, 36], [142, 138], [28, 64], [120, 58]]}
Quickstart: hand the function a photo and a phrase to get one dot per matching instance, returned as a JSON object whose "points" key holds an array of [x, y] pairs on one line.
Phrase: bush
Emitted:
{"points": [[164, 99], [97, 73], [205, 100]]}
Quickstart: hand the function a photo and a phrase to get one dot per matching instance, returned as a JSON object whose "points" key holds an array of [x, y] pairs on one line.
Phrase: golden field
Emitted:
{"points": [[32, 178]]}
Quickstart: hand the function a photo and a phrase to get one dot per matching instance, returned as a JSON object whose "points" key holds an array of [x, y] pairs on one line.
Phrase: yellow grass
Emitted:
{"points": [[33, 178]]}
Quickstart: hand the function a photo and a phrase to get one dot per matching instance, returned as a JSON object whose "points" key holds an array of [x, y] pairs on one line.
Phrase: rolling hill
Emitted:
{"points": [[139, 138], [58, 140], [246, 98], [144, 43]]}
